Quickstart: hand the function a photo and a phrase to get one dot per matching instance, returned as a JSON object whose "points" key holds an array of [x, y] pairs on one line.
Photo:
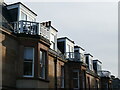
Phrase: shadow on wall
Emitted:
{"points": [[9, 59]]}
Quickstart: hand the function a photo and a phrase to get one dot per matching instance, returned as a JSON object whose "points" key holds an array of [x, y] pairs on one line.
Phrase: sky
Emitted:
{"points": [[92, 24]]}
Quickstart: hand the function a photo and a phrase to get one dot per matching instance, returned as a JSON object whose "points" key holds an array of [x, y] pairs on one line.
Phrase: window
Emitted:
{"points": [[52, 45], [28, 61], [52, 37], [76, 84], [91, 67], [42, 63], [53, 41], [87, 61], [68, 48], [91, 64], [30, 19], [62, 77], [72, 49], [69, 53], [98, 67], [23, 16]]}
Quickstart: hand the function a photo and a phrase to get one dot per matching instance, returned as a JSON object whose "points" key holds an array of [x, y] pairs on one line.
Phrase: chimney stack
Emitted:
{"points": [[46, 24], [49, 23]]}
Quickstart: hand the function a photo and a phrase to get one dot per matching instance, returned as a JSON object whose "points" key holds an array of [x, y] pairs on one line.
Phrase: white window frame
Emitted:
{"points": [[32, 65]]}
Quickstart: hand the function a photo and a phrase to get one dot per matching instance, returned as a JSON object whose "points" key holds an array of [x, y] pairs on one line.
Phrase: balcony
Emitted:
{"points": [[28, 27], [75, 56], [104, 73]]}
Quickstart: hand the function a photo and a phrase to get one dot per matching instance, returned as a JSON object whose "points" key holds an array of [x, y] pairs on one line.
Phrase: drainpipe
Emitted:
{"points": [[55, 69]]}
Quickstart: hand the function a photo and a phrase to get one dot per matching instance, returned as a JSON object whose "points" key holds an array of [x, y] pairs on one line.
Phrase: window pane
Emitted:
{"points": [[28, 61], [27, 68], [52, 38], [23, 16], [52, 45], [72, 49], [28, 53], [75, 74], [30, 19], [68, 48], [41, 57], [42, 72], [75, 83], [42, 63], [76, 79]]}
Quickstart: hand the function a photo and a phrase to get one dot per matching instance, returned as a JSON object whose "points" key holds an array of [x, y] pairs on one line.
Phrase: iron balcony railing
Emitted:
{"points": [[104, 73], [28, 27], [75, 56]]}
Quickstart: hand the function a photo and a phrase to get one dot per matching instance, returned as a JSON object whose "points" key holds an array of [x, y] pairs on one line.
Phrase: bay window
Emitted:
{"points": [[28, 61]]}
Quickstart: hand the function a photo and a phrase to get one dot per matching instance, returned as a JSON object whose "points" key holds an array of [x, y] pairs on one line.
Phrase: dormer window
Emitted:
{"points": [[79, 54], [20, 12], [23, 19], [66, 46], [26, 17], [97, 66], [48, 31], [89, 61]]}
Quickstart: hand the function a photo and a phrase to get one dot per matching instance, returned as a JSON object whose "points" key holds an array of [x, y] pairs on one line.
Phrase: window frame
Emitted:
{"points": [[78, 79], [28, 61]]}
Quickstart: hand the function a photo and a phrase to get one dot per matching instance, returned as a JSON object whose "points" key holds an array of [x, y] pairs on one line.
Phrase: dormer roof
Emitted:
{"points": [[79, 47], [23, 6], [89, 54], [66, 38]]}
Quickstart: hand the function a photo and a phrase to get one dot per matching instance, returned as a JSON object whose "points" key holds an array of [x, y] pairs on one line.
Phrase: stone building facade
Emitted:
{"points": [[34, 58]]}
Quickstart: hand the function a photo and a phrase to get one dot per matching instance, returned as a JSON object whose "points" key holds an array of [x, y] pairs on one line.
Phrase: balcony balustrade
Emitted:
{"points": [[104, 73], [75, 56], [44, 31], [32, 28]]}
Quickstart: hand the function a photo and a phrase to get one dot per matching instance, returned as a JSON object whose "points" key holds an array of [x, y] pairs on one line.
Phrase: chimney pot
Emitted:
{"points": [[49, 23]]}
